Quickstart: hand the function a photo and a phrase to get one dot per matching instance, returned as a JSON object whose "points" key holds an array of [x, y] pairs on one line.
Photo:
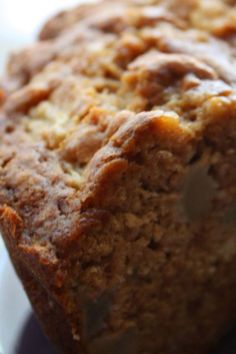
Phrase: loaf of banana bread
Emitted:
{"points": [[118, 175]]}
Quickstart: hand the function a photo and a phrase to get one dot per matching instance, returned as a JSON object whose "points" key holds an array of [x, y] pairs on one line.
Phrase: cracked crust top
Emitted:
{"points": [[79, 105], [83, 85]]}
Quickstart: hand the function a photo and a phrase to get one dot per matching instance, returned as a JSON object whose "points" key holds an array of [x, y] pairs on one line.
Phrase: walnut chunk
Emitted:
{"points": [[198, 192]]}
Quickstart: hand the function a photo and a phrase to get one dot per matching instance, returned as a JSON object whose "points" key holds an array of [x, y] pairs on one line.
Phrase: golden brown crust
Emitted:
{"points": [[118, 177]]}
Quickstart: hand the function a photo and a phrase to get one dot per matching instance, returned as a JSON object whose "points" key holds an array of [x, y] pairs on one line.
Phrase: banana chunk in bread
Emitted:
{"points": [[118, 175]]}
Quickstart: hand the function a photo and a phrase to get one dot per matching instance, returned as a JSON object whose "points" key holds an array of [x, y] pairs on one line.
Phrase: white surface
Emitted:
{"points": [[14, 306], [20, 21]]}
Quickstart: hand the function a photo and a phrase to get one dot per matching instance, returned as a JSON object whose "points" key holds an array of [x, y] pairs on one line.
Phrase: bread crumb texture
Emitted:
{"points": [[118, 175]]}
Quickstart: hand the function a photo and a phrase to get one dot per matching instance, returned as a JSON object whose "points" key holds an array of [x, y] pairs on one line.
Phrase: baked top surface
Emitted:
{"points": [[118, 174], [73, 101]]}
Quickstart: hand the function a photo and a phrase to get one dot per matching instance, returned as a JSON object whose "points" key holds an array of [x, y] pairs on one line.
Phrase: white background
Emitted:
{"points": [[20, 20]]}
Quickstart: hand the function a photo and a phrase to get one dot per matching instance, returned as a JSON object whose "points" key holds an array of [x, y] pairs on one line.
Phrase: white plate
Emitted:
{"points": [[14, 306]]}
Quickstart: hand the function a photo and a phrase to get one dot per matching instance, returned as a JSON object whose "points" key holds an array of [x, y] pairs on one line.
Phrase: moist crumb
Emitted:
{"points": [[118, 175]]}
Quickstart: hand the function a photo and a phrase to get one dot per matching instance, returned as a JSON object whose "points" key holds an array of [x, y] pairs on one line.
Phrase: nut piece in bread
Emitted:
{"points": [[118, 175]]}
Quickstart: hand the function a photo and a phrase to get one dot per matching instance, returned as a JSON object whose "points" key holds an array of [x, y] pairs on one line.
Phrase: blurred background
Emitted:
{"points": [[20, 21]]}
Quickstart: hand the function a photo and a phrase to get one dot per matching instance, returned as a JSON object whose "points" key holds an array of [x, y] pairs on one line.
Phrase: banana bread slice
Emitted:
{"points": [[118, 175]]}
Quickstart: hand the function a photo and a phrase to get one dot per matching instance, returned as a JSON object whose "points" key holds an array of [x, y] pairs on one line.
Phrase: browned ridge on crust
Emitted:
{"points": [[118, 175]]}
